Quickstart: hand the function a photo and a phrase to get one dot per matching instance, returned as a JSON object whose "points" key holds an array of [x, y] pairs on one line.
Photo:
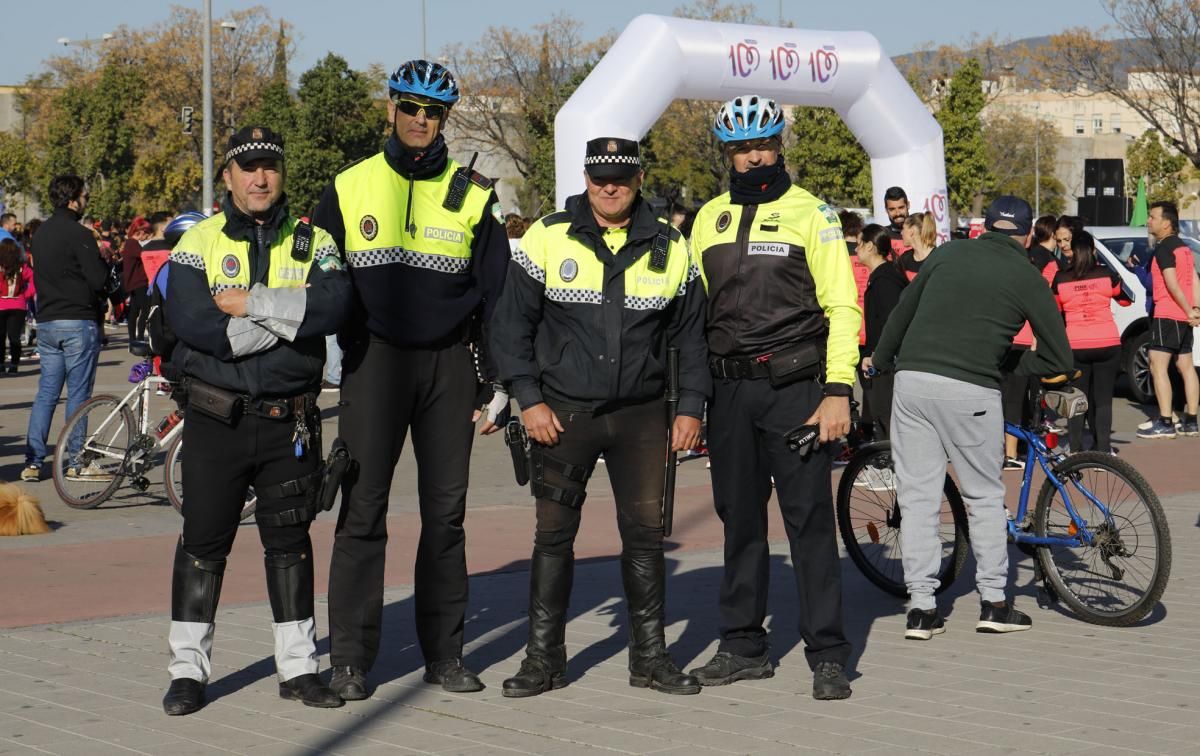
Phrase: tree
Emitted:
{"points": [[513, 84], [1157, 39], [16, 178], [966, 156], [110, 111], [828, 159], [1161, 166], [1015, 143], [336, 123], [685, 164]]}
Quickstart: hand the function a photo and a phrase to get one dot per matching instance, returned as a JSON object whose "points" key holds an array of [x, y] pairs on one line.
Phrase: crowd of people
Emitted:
{"points": [[774, 304]]}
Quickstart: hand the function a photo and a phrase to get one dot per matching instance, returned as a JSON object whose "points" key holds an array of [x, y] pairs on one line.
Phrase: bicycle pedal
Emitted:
{"points": [[1046, 598]]}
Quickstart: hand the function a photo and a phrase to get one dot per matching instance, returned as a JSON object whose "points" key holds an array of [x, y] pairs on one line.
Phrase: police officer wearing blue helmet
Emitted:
{"points": [[427, 254], [782, 328]]}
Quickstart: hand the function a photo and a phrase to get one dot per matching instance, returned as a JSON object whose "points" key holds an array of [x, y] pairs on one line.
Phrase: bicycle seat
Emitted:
{"points": [[1061, 378], [139, 348]]}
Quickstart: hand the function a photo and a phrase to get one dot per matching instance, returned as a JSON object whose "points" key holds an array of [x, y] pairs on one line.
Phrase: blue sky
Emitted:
{"points": [[389, 31]]}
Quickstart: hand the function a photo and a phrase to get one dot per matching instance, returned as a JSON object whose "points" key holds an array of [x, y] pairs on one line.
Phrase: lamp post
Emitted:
{"points": [[1037, 160], [206, 191]]}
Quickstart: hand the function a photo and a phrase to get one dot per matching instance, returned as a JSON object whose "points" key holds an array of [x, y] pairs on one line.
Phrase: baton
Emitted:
{"points": [[672, 406]]}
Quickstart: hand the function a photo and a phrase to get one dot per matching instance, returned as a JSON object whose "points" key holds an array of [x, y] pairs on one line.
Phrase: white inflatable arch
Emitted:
{"points": [[658, 59]]}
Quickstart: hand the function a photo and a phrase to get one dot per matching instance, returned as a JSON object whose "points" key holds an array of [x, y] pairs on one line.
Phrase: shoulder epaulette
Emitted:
{"points": [[352, 163], [553, 219], [483, 182]]}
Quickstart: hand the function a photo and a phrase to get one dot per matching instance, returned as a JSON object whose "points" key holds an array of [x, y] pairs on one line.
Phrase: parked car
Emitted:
{"points": [[1116, 245]]}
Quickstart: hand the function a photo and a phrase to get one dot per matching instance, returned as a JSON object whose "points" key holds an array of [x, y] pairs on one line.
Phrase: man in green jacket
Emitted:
{"points": [[946, 340]]}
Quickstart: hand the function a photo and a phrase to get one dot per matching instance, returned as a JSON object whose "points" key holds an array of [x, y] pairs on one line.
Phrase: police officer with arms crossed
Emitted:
{"points": [[253, 293], [428, 254], [595, 296], [782, 317]]}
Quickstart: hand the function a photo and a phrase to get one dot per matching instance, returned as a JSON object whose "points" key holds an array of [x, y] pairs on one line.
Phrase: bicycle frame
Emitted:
{"points": [[138, 399], [1038, 451]]}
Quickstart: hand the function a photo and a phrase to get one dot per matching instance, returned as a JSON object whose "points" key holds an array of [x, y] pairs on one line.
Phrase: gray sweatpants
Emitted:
{"points": [[935, 418]]}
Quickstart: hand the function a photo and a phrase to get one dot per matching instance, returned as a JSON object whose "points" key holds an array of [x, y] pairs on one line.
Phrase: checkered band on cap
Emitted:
{"points": [[241, 149], [612, 160]]}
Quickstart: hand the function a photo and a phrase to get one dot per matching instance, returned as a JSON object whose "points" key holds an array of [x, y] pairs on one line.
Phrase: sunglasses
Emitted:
{"points": [[411, 108]]}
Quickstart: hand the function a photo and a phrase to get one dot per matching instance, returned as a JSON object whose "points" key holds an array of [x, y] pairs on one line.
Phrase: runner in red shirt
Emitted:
{"points": [[1176, 291], [1084, 290]]}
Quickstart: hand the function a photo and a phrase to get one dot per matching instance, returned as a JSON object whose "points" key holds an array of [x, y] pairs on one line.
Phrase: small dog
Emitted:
{"points": [[20, 513]]}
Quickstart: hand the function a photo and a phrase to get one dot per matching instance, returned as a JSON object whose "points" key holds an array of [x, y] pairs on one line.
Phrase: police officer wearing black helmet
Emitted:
{"points": [[427, 254], [595, 296], [253, 293]]}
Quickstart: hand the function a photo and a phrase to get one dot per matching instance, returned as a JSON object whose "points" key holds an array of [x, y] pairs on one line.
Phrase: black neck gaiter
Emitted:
{"points": [[757, 186], [415, 165]]}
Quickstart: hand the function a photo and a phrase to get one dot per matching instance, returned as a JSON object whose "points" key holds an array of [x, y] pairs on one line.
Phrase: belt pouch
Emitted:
{"points": [[215, 402], [794, 363]]}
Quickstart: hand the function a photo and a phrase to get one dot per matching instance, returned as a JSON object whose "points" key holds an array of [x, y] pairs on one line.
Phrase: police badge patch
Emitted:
{"points": [[723, 221], [568, 270], [829, 213], [368, 227], [231, 266], [499, 216]]}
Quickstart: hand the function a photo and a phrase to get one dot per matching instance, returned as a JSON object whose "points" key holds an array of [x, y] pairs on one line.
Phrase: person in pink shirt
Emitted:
{"points": [[16, 290]]}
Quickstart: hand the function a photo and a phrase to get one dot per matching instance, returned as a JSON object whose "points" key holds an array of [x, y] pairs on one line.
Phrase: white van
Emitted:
{"points": [[1116, 244]]}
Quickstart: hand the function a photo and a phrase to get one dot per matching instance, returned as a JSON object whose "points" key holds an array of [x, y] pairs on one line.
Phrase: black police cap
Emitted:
{"points": [[612, 157], [252, 143]]}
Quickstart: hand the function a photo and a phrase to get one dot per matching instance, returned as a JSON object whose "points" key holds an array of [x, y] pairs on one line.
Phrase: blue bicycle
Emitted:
{"points": [[1097, 530]]}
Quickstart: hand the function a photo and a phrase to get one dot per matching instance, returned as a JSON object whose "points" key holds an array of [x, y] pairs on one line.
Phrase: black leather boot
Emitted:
{"points": [[195, 593], [545, 665], [644, 574]]}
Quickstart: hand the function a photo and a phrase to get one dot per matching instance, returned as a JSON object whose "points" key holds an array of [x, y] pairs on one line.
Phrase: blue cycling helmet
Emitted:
{"points": [[420, 77], [748, 117], [181, 223]]}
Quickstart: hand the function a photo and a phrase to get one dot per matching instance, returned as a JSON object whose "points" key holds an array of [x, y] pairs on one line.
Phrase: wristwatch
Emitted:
{"points": [[838, 389]]}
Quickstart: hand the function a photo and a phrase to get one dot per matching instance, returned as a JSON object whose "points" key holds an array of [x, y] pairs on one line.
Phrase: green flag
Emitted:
{"points": [[1140, 212]]}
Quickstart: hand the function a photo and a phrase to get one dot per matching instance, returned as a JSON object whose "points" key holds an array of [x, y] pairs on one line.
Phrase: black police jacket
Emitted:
{"points": [[586, 315]]}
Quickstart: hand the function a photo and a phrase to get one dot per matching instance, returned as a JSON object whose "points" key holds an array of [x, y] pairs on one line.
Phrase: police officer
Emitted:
{"points": [[427, 253], [253, 292], [595, 295], [783, 326]]}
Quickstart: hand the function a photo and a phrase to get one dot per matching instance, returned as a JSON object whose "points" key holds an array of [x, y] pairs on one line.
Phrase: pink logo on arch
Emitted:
{"points": [[785, 62], [823, 64], [744, 58], [936, 204]]}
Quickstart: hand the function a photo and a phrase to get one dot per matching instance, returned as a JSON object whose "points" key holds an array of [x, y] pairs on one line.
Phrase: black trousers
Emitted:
{"points": [[746, 425], [220, 463], [135, 317], [386, 391], [634, 443], [1098, 380], [14, 324]]}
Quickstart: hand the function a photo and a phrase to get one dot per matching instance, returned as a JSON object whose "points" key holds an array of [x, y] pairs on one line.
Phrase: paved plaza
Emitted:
{"points": [[84, 614]]}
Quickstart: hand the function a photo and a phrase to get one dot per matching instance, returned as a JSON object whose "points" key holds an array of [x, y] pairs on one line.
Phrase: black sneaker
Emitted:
{"points": [[830, 682], [1012, 463], [1004, 618], [923, 625], [725, 668]]}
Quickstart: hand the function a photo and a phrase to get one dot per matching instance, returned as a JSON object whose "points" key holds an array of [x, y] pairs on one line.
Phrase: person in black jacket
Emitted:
{"points": [[427, 253], [253, 293], [595, 296], [69, 278], [884, 287]]}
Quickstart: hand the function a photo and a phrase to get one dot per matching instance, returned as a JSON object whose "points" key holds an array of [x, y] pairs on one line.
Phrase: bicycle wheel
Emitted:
{"points": [[1119, 578], [173, 481], [89, 456], [868, 516]]}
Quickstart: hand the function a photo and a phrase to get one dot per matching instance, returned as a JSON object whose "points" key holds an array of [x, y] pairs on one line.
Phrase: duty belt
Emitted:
{"points": [[738, 369], [276, 409]]}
